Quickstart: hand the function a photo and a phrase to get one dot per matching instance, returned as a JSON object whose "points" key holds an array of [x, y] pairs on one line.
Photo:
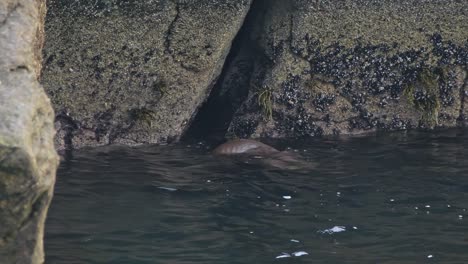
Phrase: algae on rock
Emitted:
{"points": [[265, 101], [366, 61], [424, 96]]}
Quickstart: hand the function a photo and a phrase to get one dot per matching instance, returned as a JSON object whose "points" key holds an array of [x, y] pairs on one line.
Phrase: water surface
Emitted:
{"points": [[394, 198]]}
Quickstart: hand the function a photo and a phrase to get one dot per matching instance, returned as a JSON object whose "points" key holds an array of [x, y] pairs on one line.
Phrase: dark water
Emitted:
{"points": [[397, 198]]}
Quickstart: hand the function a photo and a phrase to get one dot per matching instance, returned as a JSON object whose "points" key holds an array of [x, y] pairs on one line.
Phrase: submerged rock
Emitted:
{"points": [[131, 72], [28, 160]]}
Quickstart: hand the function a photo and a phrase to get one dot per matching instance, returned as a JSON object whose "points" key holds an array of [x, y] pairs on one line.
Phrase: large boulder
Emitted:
{"points": [[130, 72], [349, 67], [28, 160]]}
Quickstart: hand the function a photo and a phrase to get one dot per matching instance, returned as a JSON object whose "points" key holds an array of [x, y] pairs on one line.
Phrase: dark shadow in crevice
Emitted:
{"points": [[215, 115]]}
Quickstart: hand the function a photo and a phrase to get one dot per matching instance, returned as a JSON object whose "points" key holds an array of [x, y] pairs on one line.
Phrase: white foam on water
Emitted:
{"points": [[283, 255], [335, 229], [299, 253], [295, 254], [168, 189], [287, 197]]}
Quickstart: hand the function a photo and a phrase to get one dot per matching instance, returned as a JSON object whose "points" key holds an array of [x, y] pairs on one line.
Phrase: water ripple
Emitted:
{"points": [[395, 198]]}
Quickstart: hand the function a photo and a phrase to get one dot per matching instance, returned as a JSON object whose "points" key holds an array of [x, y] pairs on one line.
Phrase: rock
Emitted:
{"points": [[131, 72], [28, 160], [351, 67]]}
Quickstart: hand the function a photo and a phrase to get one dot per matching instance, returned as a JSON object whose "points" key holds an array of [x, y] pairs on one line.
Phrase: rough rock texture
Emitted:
{"points": [[133, 71], [28, 160], [349, 67]]}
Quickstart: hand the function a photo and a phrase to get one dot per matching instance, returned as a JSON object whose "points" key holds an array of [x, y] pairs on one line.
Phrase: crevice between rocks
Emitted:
{"points": [[463, 90], [232, 87], [19, 68], [170, 30], [167, 41]]}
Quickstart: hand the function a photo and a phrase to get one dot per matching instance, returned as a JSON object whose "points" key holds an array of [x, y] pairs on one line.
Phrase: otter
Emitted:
{"points": [[269, 155], [244, 146]]}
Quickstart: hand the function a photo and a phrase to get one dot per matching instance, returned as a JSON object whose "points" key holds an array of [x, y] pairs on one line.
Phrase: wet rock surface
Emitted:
{"points": [[351, 67], [121, 72], [28, 160], [131, 72]]}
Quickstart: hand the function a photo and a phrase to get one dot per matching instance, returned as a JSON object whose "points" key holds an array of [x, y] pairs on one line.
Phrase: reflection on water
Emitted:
{"points": [[395, 198]]}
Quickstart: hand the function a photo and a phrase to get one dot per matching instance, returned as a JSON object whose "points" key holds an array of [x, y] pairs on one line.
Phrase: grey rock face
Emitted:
{"points": [[28, 160], [133, 72], [349, 67]]}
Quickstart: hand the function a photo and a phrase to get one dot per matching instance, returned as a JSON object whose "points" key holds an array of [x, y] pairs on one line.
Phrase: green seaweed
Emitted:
{"points": [[428, 83], [143, 115], [160, 86], [264, 99]]}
